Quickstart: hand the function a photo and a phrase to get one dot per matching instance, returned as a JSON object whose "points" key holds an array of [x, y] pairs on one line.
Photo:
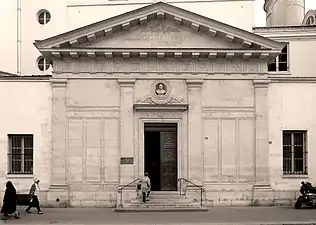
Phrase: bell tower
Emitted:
{"points": [[284, 12]]}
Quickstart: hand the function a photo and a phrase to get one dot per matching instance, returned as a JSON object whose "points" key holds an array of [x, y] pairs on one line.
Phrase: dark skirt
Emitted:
{"points": [[8, 207]]}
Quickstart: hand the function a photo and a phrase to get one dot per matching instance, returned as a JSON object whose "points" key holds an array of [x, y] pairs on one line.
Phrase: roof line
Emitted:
{"points": [[168, 8], [3, 73]]}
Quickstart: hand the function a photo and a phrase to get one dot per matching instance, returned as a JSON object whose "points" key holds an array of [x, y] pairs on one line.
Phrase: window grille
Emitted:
{"points": [[20, 154], [43, 64], [294, 153], [43, 17]]}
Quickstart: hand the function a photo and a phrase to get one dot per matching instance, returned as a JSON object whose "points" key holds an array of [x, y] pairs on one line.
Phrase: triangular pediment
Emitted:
{"points": [[161, 34], [158, 27]]}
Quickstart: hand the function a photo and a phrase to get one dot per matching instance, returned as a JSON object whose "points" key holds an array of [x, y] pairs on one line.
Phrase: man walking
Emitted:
{"points": [[34, 201]]}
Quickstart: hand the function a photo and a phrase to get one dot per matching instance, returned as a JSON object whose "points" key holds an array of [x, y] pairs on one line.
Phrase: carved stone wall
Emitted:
{"points": [[207, 66], [229, 145], [228, 131]]}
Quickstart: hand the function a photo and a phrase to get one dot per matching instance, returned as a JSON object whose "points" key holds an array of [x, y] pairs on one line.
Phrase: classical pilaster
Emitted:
{"points": [[195, 152], [127, 129], [262, 131], [58, 193], [263, 191]]}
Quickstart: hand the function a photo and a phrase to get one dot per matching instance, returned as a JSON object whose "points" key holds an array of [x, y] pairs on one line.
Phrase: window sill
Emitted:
{"points": [[20, 176], [279, 73], [295, 176]]}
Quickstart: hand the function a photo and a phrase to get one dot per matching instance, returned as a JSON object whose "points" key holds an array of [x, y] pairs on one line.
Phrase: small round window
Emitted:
{"points": [[43, 16], [43, 64]]}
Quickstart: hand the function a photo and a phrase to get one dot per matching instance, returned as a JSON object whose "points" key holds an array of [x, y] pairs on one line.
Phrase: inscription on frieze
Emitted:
{"points": [[159, 34]]}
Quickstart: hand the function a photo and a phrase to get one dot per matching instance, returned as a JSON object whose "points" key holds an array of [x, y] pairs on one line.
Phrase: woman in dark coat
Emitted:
{"points": [[9, 201]]}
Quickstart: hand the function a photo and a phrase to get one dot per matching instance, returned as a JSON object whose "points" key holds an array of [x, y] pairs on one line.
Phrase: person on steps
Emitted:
{"points": [[145, 187]]}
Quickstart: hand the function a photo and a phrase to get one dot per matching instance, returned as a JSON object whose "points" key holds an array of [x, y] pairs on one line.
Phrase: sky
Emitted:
{"points": [[261, 16]]}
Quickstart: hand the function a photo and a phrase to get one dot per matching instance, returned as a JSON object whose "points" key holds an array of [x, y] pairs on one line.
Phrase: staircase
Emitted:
{"points": [[161, 201]]}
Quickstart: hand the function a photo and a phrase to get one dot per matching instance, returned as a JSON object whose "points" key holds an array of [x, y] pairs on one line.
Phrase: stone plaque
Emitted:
{"points": [[127, 160]]}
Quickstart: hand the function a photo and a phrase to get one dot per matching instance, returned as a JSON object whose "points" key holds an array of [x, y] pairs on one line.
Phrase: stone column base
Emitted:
{"points": [[262, 195], [58, 196]]}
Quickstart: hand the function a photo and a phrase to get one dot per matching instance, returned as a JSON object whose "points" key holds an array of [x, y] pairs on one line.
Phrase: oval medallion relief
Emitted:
{"points": [[160, 90]]}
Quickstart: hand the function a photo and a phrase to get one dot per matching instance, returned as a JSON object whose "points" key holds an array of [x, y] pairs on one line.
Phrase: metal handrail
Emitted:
{"points": [[120, 189], [198, 186]]}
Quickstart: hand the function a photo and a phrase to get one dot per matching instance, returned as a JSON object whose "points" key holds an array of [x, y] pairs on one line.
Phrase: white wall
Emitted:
{"points": [[302, 57], [26, 109], [32, 30], [8, 35], [71, 14], [291, 106]]}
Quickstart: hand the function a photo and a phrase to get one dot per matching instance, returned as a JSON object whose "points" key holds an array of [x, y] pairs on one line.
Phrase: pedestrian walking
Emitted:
{"points": [[9, 202], [145, 187], [33, 195]]}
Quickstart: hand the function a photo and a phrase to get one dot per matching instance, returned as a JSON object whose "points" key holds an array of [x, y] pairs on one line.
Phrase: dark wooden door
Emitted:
{"points": [[168, 149]]}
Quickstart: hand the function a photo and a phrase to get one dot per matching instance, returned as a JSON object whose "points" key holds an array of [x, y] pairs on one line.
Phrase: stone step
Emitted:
{"points": [[166, 209], [162, 205], [164, 192], [162, 200], [166, 196]]}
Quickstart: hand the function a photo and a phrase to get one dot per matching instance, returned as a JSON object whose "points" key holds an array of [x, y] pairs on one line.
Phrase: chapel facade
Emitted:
{"points": [[190, 100], [164, 91]]}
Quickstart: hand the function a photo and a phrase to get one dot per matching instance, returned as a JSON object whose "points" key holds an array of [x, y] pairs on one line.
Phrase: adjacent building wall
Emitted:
{"points": [[26, 109], [302, 42], [291, 103], [291, 107]]}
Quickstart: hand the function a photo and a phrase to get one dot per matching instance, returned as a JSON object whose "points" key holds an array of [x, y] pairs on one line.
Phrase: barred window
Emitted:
{"points": [[20, 154], [294, 153]]}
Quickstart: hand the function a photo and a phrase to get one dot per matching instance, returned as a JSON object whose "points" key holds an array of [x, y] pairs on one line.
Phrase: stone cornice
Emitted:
{"points": [[287, 79], [26, 78], [194, 83], [161, 107], [286, 30], [58, 82], [126, 82], [261, 83], [160, 53]]}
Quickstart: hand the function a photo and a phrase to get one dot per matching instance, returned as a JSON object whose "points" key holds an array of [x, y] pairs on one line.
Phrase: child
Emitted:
{"points": [[138, 187]]}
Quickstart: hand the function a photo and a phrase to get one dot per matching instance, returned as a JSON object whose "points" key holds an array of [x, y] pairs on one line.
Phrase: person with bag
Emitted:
{"points": [[9, 202], [33, 194]]}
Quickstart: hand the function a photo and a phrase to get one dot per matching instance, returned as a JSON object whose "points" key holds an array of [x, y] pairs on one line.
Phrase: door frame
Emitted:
{"points": [[141, 143]]}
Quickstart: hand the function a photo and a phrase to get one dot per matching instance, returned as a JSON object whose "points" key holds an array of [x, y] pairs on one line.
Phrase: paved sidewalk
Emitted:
{"points": [[216, 215]]}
